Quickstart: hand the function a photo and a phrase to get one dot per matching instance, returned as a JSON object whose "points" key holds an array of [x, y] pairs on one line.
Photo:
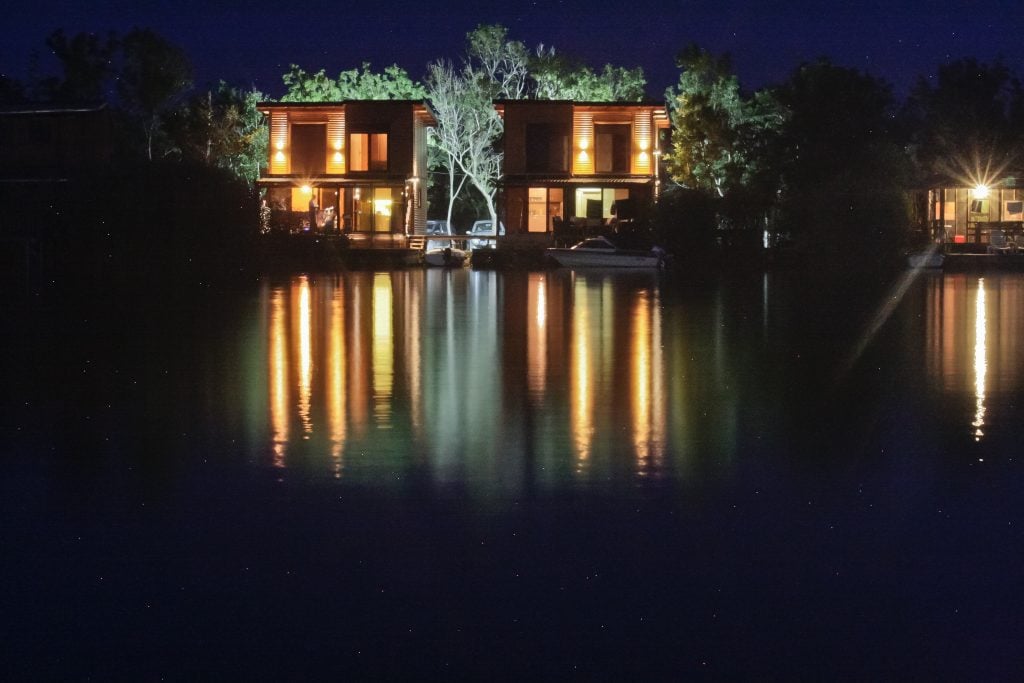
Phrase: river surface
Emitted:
{"points": [[518, 476]]}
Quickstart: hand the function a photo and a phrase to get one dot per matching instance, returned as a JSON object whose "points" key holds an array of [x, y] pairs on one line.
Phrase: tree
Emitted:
{"points": [[843, 173], [87, 62], [970, 124], [558, 77], [11, 90], [446, 89], [467, 130], [719, 137], [222, 127], [499, 64], [362, 83], [154, 77]]}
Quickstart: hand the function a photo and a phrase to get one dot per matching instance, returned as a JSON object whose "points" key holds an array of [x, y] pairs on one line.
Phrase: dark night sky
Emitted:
{"points": [[253, 42]]}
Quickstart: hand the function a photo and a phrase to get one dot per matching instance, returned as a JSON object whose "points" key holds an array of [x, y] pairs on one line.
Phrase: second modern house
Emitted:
{"points": [[354, 167], [584, 163]]}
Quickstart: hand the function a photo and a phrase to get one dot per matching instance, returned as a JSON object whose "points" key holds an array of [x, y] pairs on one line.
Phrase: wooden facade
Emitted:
{"points": [[584, 163], [363, 162]]}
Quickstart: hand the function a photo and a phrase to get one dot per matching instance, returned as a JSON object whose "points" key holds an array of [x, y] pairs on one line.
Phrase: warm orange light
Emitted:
{"points": [[306, 189], [279, 145], [584, 143], [279, 157]]}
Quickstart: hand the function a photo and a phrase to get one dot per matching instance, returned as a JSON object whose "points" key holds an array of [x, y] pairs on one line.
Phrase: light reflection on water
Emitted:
{"points": [[974, 341], [468, 372], [499, 381]]}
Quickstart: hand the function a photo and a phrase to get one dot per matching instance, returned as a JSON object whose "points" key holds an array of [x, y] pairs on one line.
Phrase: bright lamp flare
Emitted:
{"points": [[980, 192]]}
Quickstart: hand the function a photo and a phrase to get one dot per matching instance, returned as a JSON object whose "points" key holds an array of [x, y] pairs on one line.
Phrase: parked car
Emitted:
{"points": [[438, 228], [484, 227]]}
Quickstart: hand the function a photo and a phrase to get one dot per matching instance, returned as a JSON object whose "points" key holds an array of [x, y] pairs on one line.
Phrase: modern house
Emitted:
{"points": [[580, 163], [962, 214], [354, 167]]}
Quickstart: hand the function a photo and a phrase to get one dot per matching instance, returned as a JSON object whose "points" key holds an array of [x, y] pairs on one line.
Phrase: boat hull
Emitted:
{"points": [[445, 258], [575, 258]]}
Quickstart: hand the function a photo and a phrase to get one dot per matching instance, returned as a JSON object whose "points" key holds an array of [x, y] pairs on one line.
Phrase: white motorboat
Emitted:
{"points": [[445, 257], [600, 252]]}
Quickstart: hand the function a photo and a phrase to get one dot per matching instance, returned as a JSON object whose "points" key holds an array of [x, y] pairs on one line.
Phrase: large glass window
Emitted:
{"points": [[611, 147], [377, 209], [368, 152], [544, 204], [596, 202]]}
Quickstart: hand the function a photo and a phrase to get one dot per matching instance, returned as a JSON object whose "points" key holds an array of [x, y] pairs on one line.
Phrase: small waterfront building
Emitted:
{"points": [[357, 167], [44, 143], [959, 213], [581, 163]]}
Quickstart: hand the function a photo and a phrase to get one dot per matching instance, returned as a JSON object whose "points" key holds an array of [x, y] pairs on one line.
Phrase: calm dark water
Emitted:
{"points": [[427, 474]]}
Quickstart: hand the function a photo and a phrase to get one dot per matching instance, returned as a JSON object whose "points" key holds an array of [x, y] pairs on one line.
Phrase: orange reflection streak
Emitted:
{"points": [[649, 423], [278, 377], [980, 361], [336, 372], [536, 334], [383, 349], [659, 399], [582, 389], [642, 383], [305, 357]]}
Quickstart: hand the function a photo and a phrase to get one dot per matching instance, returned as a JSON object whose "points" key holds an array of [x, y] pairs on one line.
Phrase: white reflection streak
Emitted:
{"points": [[278, 377], [414, 372], [305, 357], [336, 390], [980, 363]]}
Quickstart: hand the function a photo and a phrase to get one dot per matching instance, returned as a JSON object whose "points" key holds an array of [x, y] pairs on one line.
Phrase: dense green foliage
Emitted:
{"points": [[354, 84], [719, 136]]}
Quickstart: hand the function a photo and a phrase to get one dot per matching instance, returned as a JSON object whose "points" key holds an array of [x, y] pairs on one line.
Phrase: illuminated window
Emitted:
{"points": [[377, 209], [369, 152], [597, 202], [543, 205]]}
